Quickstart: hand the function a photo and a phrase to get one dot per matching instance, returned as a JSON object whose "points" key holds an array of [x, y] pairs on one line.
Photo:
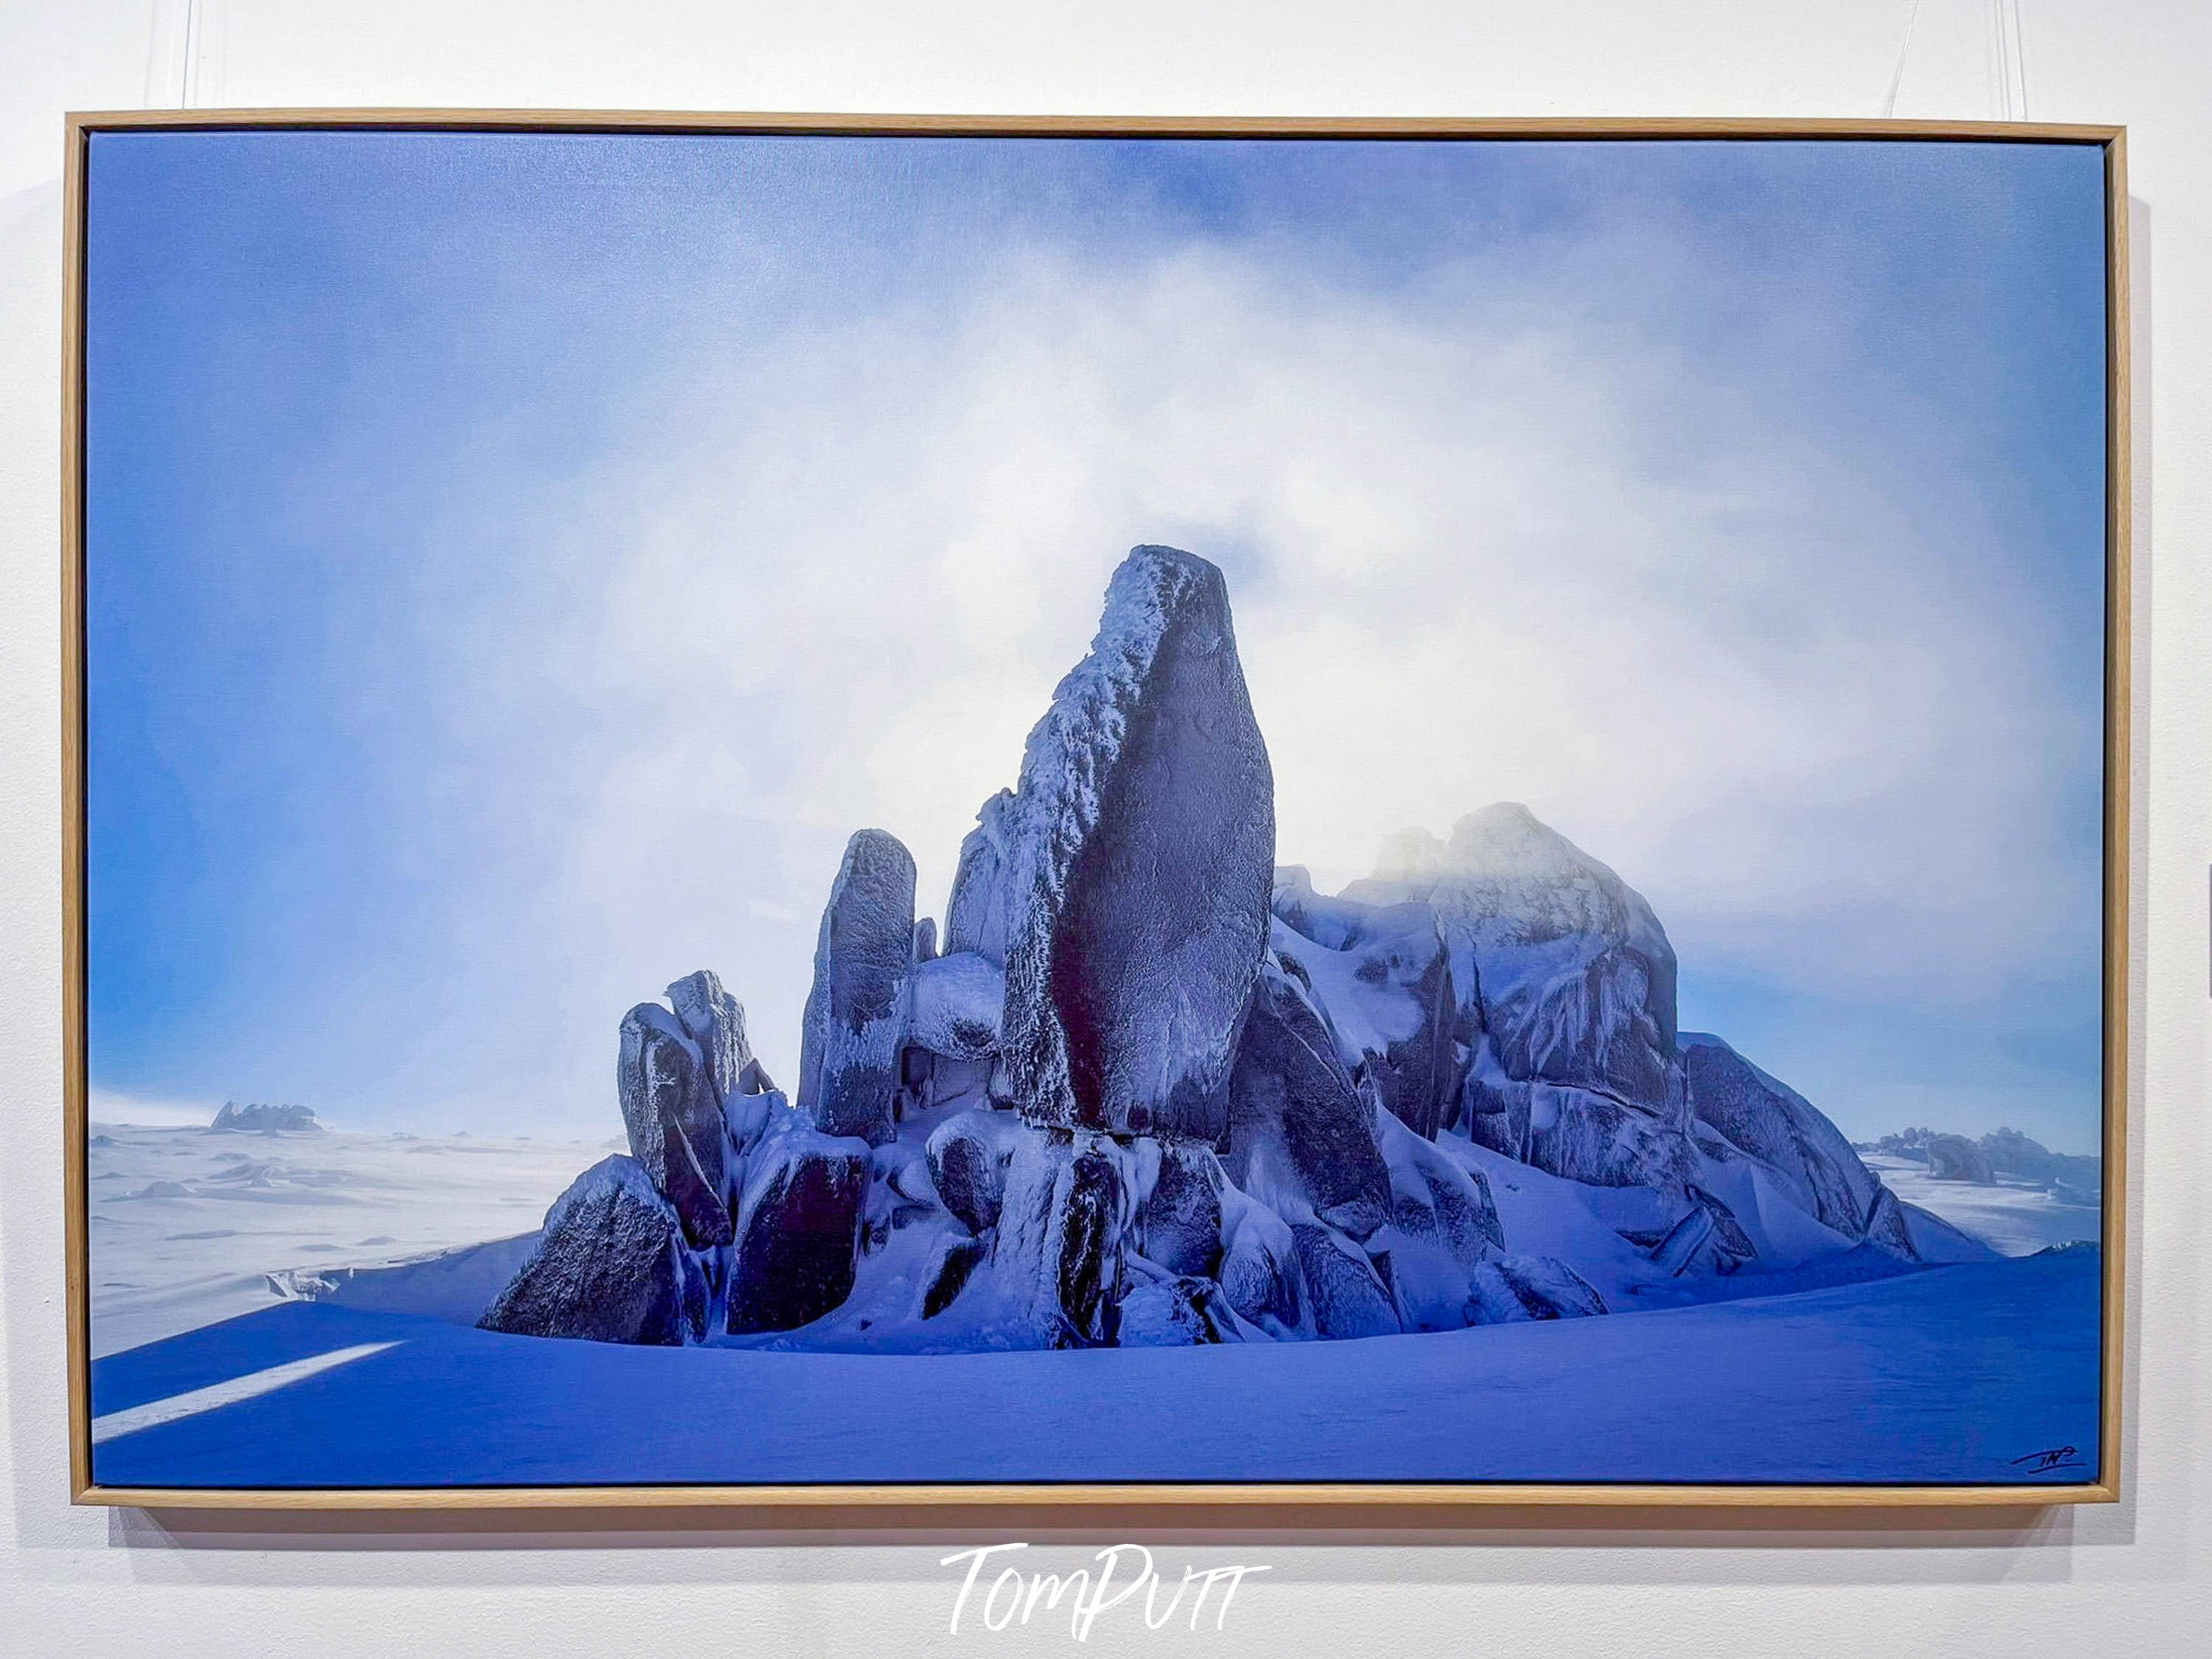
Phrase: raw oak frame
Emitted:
{"points": [[1288, 1497]]}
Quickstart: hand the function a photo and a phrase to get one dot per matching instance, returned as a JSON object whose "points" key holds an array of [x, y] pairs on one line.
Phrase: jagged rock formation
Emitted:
{"points": [[1140, 848], [611, 1267], [1152, 1090], [258, 1119], [849, 1057]]}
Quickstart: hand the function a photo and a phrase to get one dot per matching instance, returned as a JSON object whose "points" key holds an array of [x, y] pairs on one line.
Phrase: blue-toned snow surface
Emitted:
{"points": [[1951, 1374]]}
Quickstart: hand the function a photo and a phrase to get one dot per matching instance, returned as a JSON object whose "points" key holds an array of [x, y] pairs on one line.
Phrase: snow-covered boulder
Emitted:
{"points": [[1260, 1274], [1141, 853], [1511, 1288], [1179, 1224], [1174, 1312], [954, 1003], [1568, 968], [674, 1120], [1060, 1245], [1384, 978], [850, 1040], [610, 1266], [798, 1225], [1300, 1137], [968, 1155], [1777, 1125], [1348, 1296], [715, 1021]]}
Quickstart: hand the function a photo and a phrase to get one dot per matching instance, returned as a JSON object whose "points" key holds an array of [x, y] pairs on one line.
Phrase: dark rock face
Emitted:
{"points": [[947, 1275], [675, 1121], [1138, 867], [1062, 1234], [1180, 1221], [1299, 1132], [799, 1227], [1780, 1127], [1089, 1266], [849, 1045], [967, 1156], [610, 1267]]}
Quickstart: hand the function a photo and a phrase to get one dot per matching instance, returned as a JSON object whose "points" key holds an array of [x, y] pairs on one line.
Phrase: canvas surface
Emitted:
{"points": [[1534, 913]]}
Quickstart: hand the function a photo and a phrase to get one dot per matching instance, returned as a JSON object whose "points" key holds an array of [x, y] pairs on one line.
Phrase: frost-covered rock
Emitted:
{"points": [[715, 1021], [1384, 977], [1562, 963], [610, 1266], [976, 915], [1179, 1222], [1174, 1312], [968, 1155], [674, 1120], [1300, 1137], [798, 1225], [1348, 1296], [1511, 1288], [1260, 1274], [850, 1045], [1139, 863], [1062, 1226], [954, 1003], [1780, 1127]]}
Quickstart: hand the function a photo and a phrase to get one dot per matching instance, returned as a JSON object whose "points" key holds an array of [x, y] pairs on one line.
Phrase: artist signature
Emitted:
{"points": [[2057, 1457]]}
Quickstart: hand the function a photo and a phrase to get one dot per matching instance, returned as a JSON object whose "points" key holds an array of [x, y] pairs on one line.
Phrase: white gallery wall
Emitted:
{"points": [[2134, 1578]]}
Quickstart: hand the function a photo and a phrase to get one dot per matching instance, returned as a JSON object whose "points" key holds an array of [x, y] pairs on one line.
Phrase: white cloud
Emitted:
{"points": [[1481, 546]]}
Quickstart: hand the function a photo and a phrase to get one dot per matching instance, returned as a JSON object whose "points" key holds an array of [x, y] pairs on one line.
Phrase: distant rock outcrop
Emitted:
{"points": [[258, 1119], [1153, 1091]]}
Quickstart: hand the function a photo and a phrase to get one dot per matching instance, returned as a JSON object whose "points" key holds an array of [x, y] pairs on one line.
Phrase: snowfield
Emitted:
{"points": [[1958, 1374], [2014, 1218], [187, 1223], [227, 1383]]}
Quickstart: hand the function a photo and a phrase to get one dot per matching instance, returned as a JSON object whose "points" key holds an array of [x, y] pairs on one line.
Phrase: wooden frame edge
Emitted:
{"points": [[2116, 1002]]}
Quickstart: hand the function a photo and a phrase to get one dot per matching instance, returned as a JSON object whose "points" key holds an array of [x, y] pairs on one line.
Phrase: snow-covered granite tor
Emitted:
{"points": [[1156, 1091]]}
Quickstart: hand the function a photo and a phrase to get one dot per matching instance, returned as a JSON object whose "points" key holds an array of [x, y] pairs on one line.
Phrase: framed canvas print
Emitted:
{"points": [[836, 809]]}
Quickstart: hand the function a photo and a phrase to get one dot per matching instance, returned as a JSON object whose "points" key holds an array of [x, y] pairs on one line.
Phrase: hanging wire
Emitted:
{"points": [[1897, 77]]}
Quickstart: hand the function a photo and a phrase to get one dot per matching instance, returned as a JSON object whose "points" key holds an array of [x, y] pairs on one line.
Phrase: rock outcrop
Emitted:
{"points": [[258, 1119], [1140, 850], [675, 1120], [1153, 1092], [610, 1267], [797, 1227], [848, 1060]]}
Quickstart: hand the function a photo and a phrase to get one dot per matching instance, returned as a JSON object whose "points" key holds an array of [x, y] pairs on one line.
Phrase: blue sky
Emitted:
{"points": [[516, 562]]}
